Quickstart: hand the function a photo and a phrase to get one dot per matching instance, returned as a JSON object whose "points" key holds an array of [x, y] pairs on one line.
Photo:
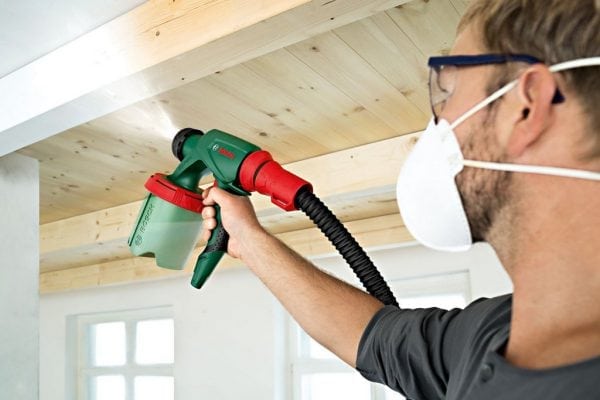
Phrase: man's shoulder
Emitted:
{"points": [[437, 340], [485, 322], [488, 312], [494, 306]]}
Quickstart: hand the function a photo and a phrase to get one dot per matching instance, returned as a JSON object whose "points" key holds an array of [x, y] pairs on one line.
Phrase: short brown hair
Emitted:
{"points": [[551, 30]]}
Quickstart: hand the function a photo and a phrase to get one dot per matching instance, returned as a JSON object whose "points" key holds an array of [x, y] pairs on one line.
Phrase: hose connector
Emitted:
{"points": [[260, 173]]}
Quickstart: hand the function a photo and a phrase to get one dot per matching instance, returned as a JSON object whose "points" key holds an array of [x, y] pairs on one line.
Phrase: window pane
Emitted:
{"points": [[315, 350], [154, 388], [447, 301], [108, 387], [391, 395], [108, 344], [155, 343], [347, 386]]}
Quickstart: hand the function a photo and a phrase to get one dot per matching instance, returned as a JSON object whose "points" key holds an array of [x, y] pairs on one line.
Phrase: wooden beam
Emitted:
{"points": [[154, 48], [356, 183], [372, 232]]}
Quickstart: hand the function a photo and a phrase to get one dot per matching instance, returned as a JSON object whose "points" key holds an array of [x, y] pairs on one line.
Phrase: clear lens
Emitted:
{"points": [[441, 86]]}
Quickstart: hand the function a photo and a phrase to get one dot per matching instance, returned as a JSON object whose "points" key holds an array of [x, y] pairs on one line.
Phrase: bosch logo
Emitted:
{"points": [[226, 153], [139, 239]]}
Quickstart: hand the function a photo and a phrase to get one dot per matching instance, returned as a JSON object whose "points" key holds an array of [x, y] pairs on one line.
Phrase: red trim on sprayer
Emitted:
{"points": [[260, 173], [161, 187]]}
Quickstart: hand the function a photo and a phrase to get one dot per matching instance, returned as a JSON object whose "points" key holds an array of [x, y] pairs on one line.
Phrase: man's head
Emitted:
{"points": [[525, 126], [552, 31]]}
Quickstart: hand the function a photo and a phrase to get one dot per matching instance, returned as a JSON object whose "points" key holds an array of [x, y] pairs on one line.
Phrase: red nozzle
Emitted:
{"points": [[260, 173]]}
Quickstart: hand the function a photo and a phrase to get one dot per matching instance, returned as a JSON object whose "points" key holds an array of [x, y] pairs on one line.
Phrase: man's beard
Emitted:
{"points": [[485, 193]]}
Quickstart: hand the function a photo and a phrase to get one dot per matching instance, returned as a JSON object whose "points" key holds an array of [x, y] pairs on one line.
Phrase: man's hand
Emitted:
{"points": [[237, 215]]}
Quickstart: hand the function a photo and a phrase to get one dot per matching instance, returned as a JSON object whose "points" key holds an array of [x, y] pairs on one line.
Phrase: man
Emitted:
{"points": [[543, 342]]}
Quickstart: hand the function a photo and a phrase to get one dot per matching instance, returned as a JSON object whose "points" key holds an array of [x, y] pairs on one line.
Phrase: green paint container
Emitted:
{"points": [[165, 232]]}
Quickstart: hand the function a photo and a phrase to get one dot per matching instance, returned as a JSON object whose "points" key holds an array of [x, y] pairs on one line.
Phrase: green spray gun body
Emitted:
{"points": [[169, 232], [170, 221]]}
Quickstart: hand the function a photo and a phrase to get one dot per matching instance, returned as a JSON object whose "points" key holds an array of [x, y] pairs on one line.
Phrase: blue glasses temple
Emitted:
{"points": [[483, 59]]}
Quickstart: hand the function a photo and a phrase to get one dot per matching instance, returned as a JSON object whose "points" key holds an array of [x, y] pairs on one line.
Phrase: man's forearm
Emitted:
{"points": [[331, 311]]}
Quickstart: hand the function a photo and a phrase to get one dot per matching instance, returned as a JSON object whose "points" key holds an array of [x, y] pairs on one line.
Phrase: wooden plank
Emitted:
{"points": [[154, 48], [460, 5], [353, 176], [381, 43], [373, 232], [252, 105], [332, 58], [102, 163], [431, 24], [364, 164], [359, 206], [341, 119]]}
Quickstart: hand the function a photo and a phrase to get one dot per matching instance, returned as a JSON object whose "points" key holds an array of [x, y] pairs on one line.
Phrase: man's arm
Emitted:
{"points": [[329, 310]]}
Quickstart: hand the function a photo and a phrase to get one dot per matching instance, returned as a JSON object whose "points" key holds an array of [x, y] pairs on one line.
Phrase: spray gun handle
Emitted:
{"points": [[212, 253]]}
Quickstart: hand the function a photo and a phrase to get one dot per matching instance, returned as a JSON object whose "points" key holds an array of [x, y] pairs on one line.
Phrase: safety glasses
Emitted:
{"points": [[442, 74]]}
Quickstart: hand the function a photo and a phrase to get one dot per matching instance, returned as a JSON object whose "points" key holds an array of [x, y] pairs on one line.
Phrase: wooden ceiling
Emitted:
{"points": [[358, 84]]}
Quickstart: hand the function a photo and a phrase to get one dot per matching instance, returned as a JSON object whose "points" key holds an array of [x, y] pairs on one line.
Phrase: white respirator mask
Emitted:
{"points": [[427, 193]]}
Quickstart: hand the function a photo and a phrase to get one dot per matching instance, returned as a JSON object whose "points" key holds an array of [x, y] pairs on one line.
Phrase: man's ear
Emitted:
{"points": [[535, 91]]}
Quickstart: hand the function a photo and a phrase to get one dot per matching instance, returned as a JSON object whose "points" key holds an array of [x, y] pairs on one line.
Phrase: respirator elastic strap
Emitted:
{"points": [[534, 169]]}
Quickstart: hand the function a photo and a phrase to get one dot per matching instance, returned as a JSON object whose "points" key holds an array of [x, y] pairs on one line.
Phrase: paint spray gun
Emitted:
{"points": [[170, 220]]}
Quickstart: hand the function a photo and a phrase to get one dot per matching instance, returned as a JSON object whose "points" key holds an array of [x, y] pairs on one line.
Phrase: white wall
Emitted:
{"points": [[229, 341], [19, 272], [223, 333]]}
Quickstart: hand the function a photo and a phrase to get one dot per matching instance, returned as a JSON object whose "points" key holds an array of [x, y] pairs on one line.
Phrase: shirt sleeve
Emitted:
{"points": [[412, 351]]}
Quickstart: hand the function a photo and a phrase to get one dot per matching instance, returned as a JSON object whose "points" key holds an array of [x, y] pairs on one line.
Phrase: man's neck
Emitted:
{"points": [[552, 257]]}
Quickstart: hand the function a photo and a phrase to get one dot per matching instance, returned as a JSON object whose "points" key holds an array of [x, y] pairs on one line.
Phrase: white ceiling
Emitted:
{"points": [[33, 28]]}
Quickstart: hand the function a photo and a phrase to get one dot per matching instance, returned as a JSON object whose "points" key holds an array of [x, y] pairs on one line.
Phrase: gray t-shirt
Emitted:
{"points": [[429, 354]]}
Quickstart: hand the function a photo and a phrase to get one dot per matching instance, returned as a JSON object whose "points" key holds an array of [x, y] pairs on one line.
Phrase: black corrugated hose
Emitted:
{"points": [[347, 246]]}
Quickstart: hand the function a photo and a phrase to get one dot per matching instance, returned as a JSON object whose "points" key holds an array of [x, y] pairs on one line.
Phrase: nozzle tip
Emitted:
{"points": [[179, 140]]}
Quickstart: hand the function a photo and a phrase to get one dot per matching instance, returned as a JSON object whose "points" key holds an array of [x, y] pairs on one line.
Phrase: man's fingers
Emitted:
{"points": [[209, 224], [206, 235], [205, 200], [209, 212], [215, 195], [212, 196]]}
